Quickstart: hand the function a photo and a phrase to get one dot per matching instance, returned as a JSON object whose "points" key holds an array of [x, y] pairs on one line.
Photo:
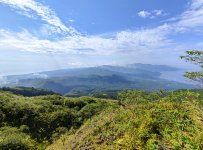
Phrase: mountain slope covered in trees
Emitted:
{"points": [[135, 120], [35, 122], [143, 120], [84, 81]]}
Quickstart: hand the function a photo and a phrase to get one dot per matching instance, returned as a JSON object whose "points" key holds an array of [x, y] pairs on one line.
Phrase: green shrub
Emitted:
{"points": [[11, 138]]}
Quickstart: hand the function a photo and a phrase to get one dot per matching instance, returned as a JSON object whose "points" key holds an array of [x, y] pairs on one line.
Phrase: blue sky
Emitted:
{"points": [[37, 35]]}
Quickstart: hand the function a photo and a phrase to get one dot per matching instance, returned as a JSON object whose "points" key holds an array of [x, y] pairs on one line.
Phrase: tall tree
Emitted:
{"points": [[195, 57]]}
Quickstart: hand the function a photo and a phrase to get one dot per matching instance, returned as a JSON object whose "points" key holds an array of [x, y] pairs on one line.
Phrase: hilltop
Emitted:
{"points": [[136, 120]]}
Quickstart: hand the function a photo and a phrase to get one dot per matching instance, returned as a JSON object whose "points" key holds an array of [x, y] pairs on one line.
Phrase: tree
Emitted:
{"points": [[195, 57]]}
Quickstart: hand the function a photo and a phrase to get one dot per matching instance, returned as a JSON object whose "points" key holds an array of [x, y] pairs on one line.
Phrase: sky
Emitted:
{"points": [[39, 35]]}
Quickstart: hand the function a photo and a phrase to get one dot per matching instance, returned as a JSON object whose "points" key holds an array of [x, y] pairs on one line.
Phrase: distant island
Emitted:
{"points": [[85, 81]]}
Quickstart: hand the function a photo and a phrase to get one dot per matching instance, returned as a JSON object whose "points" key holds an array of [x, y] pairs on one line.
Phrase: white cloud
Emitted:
{"points": [[144, 14], [159, 12], [146, 38], [141, 41], [153, 14], [192, 18], [27, 7]]}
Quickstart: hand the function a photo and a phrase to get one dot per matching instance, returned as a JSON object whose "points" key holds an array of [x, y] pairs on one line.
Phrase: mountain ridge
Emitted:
{"points": [[106, 77]]}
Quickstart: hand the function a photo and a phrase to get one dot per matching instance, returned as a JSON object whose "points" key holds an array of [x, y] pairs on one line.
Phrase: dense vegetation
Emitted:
{"points": [[136, 120], [35, 122], [194, 57], [163, 120], [26, 91]]}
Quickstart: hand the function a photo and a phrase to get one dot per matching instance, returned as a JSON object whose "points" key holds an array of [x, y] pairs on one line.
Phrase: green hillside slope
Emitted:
{"points": [[35, 122], [143, 121], [136, 120]]}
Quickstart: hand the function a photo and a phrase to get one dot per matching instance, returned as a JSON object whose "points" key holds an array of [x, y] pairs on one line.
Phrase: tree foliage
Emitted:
{"points": [[195, 57], [146, 120], [34, 122], [28, 91]]}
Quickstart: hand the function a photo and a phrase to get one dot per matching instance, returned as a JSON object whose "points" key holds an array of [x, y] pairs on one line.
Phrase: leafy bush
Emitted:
{"points": [[13, 139]]}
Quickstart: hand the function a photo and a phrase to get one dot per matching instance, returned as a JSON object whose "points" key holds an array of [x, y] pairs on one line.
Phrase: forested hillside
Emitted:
{"points": [[35, 122], [143, 121], [26, 91], [136, 120], [85, 81]]}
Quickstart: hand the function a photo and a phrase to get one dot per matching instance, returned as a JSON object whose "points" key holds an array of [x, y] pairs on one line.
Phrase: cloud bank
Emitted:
{"points": [[140, 41]]}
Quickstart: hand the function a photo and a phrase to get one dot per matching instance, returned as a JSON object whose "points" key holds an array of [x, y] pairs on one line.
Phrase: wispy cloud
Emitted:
{"points": [[192, 18], [134, 41], [141, 41], [151, 14], [27, 7], [144, 14], [158, 12]]}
